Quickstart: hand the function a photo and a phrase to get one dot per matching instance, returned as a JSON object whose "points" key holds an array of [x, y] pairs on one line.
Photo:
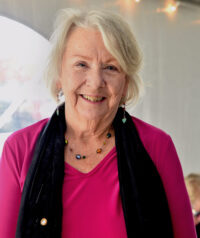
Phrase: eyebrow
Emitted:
{"points": [[89, 58], [81, 56]]}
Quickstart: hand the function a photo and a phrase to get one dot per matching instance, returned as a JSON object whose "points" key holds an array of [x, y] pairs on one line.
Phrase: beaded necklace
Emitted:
{"points": [[98, 150]]}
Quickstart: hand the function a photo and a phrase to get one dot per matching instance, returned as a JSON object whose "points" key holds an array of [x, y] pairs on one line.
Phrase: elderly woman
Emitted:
{"points": [[192, 182], [92, 170]]}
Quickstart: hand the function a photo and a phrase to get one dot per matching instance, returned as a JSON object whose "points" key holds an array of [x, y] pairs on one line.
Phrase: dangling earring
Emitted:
{"points": [[124, 111], [59, 95]]}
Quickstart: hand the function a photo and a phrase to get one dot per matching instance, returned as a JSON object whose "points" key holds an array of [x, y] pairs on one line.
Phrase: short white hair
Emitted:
{"points": [[118, 38]]}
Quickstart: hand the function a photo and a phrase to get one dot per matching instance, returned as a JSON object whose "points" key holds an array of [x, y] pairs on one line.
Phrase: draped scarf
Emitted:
{"points": [[143, 197]]}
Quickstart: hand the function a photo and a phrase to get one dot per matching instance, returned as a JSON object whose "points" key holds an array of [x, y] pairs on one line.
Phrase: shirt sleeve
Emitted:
{"points": [[10, 191], [173, 180]]}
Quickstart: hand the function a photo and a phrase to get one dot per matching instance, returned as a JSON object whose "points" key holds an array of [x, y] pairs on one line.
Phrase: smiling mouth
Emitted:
{"points": [[92, 98]]}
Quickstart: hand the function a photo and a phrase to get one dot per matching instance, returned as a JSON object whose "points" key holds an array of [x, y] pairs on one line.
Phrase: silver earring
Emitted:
{"points": [[59, 95], [124, 116]]}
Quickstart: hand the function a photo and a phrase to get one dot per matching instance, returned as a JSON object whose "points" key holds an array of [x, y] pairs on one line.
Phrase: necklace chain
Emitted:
{"points": [[98, 150]]}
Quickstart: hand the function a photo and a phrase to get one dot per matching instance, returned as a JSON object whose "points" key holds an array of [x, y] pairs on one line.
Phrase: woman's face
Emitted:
{"points": [[91, 79]]}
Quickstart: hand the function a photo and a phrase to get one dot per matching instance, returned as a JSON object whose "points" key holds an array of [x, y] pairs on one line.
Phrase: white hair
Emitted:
{"points": [[118, 39]]}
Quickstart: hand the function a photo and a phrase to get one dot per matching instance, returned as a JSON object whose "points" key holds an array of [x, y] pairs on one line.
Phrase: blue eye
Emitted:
{"points": [[81, 64], [111, 67]]}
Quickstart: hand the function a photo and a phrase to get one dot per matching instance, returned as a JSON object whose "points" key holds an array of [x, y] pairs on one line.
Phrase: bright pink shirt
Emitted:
{"points": [[91, 202]]}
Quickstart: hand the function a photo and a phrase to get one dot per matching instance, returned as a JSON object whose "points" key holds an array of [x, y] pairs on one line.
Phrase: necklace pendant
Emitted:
{"points": [[108, 135], [99, 150], [124, 120], [78, 156]]}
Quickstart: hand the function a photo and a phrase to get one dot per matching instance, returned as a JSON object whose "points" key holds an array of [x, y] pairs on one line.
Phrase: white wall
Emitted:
{"points": [[172, 66]]}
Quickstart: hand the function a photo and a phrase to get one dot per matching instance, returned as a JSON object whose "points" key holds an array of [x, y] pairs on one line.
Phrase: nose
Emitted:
{"points": [[95, 79]]}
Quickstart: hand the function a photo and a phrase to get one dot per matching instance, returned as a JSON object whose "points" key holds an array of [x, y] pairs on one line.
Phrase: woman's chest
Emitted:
{"points": [[86, 159], [92, 203]]}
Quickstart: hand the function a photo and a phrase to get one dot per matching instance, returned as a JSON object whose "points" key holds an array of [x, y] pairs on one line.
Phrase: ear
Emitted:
{"points": [[58, 84]]}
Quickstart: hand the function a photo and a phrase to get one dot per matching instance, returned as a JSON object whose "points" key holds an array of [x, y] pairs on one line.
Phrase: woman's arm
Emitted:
{"points": [[162, 151], [10, 191], [172, 176], [14, 164]]}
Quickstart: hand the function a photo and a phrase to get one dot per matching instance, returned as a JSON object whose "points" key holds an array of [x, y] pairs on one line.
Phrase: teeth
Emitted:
{"points": [[93, 99]]}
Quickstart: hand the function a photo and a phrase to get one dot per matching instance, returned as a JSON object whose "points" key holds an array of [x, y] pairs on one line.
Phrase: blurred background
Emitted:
{"points": [[168, 33]]}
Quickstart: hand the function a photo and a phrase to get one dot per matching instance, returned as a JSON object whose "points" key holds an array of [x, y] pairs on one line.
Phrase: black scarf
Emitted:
{"points": [[143, 197]]}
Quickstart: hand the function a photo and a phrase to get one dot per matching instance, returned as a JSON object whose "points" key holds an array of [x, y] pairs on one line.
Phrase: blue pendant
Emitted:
{"points": [[78, 156]]}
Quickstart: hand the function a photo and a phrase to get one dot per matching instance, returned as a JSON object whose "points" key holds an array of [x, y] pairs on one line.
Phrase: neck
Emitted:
{"points": [[87, 129]]}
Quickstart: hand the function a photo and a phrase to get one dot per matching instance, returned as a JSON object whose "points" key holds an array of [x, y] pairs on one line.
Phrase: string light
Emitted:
{"points": [[170, 8]]}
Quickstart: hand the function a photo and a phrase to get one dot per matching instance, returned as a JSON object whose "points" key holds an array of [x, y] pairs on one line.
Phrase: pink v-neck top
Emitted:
{"points": [[91, 202]]}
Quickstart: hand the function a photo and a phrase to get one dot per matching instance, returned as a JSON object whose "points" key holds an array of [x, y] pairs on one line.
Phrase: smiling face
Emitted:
{"points": [[91, 79]]}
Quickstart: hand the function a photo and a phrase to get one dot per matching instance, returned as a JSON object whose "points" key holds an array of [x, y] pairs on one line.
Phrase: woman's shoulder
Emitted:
{"points": [[157, 142], [147, 130], [22, 142], [28, 133], [18, 151]]}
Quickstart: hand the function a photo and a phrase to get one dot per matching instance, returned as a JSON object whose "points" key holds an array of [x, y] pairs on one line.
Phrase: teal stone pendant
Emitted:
{"points": [[124, 120], [57, 111], [108, 135], [124, 112]]}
